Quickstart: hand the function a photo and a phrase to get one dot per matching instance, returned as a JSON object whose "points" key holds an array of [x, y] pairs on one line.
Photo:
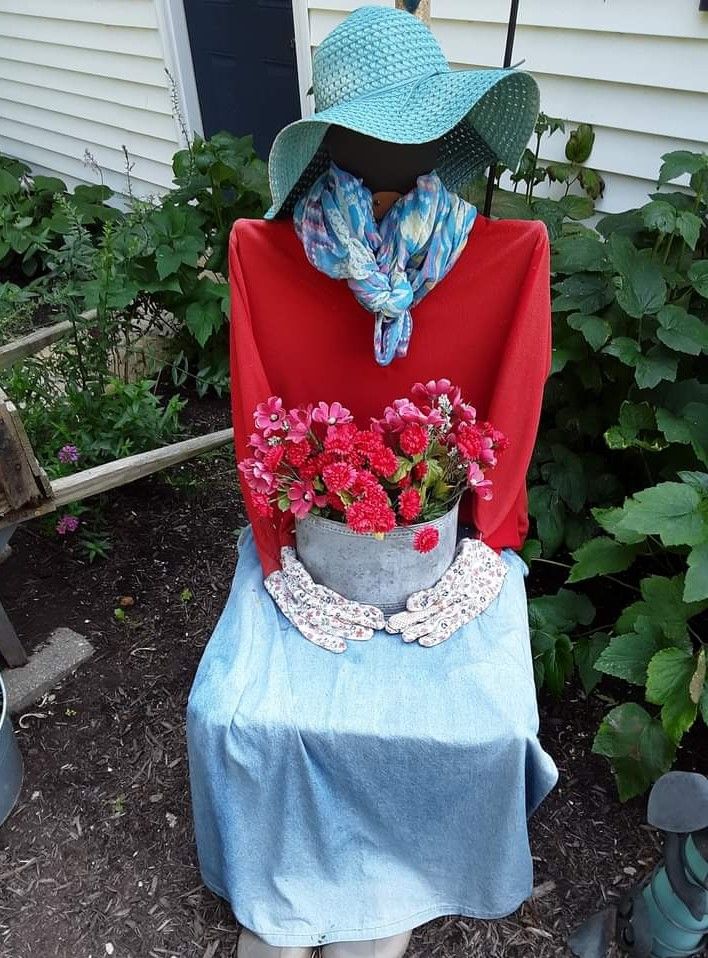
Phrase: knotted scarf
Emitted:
{"points": [[389, 265]]}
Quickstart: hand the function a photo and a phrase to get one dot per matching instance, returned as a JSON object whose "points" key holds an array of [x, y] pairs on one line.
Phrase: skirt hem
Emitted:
{"points": [[289, 940]]}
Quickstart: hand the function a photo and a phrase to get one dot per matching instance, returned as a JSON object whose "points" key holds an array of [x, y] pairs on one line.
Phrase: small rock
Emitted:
{"points": [[629, 870], [109, 948]]}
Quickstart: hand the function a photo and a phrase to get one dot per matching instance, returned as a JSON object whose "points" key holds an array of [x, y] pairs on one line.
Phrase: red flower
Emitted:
{"points": [[297, 452], [414, 440], [366, 484], [371, 515], [470, 442], [334, 502], [426, 539], [341, 438], [383, 461], [368, 442], [338, 476], [273, 457], [409, 504], [420, 470]]}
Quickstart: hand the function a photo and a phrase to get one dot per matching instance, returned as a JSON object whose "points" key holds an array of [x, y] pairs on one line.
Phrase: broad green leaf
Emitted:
{"points": [[669, 676], [9, 184], [688, 226], [601, 556], [698, 276], [687, 425], [643, 288], [592, 183], [167, 260], [548, 511], [580, 143], [659, 215], [561, 612], [698, 679], [633, 419], [203, 319], [678, 162], [627, 657], [703, 704], [586, 653], [576, 207], [696, 587], [566, 475], [655, 365], [531, 550], [662, 602], [697, 480], [637, 746], [628, 224], [671, 510], [583, 293], [625, 349], [681, 331], [595, 330], [574, 254], [556, 654], [610, 520]]}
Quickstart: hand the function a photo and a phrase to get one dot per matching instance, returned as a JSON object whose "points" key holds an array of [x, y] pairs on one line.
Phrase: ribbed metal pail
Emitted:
{"points": [[380, 572], [10, 760]]}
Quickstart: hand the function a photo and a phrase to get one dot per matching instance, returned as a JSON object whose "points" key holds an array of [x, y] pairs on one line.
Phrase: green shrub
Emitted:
{"points": [[620, 472]]}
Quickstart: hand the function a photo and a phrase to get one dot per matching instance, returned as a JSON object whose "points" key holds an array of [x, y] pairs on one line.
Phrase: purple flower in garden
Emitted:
{"points": [[67, 524], [68, 453]]}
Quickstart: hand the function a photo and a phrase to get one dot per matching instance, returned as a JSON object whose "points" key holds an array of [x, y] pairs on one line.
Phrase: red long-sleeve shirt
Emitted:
{"points": [[486, 326]]}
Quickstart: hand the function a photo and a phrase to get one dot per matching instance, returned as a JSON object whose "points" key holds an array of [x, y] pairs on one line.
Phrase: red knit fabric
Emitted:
{"points": [[486, 326]]}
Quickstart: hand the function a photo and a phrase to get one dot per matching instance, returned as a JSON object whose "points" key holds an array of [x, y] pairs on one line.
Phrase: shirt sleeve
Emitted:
{"points": [[250, 386], [515, 406]]}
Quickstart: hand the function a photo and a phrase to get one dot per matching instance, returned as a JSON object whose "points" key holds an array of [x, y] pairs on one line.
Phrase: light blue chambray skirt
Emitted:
{"points": [[354, 796]]}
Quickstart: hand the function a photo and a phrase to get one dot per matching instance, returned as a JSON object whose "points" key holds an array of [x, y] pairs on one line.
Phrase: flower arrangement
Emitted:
{"points": [[407, 467]]}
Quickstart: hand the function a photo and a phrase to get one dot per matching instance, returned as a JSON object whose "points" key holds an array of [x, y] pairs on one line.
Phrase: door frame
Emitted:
{"points": [[177, 52], [303, 55]]}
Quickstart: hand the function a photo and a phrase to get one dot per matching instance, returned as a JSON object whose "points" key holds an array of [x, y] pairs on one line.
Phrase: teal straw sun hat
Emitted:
{"points": [[381, 72]]}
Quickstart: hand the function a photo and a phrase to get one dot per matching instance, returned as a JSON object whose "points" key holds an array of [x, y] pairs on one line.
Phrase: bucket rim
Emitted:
{"points": [[399, 532]]}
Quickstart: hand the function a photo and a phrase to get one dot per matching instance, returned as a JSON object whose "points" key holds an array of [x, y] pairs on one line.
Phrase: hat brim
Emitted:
{"points": [[498, 107]]}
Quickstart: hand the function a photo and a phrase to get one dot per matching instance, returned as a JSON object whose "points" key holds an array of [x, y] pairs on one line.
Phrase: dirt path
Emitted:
{"points": [[98, 859]]}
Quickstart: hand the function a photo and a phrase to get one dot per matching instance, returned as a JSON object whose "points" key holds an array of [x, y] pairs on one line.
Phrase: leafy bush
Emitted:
{"points": [[619, 477]]}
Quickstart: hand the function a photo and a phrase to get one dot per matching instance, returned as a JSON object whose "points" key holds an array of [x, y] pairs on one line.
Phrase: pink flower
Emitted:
{"points": [[331, 415], [67, 524], [269, 416], [68, 453], [465, 413], [339, 476], [258, 476], [383, 461], [435, 388], [414, 440], [299, 422], [257, 442], [426, 539], [303, 497], [477, 482]]}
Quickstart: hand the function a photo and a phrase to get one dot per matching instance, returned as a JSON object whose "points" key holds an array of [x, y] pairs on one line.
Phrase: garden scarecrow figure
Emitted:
{"points": [[340, 800], [665, 916]]}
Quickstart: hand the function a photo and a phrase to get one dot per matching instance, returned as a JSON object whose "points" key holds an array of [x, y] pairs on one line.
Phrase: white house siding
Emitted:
{"points": [[90, 75], [636, 69]]}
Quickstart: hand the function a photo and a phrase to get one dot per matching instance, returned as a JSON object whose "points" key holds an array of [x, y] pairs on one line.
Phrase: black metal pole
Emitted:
{"points": [[508, 53]]}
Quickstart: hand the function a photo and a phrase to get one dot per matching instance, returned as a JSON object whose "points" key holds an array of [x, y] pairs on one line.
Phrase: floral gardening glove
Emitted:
{"points": [[321, 615], [471, 583]]}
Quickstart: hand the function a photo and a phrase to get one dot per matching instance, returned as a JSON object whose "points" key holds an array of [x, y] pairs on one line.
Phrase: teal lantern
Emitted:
{"points": [[665, 916]]}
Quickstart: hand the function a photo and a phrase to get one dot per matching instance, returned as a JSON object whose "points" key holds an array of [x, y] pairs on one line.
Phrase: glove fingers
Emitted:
{"points": [[310, 593], [277, 587]]}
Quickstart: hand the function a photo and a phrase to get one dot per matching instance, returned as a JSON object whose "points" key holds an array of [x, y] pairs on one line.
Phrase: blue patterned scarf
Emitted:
{"points": [[389, 265]]}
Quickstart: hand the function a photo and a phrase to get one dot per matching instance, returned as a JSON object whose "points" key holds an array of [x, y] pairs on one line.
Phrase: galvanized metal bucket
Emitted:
{"points": [[380, 572], [11, 769]]}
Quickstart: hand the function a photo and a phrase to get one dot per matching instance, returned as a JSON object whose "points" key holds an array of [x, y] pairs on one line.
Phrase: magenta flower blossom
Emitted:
{"points": [[269, 416], [299, 422], [68, 453], [257, 442], [67, 524], [331, 415], [465, 412], [477, 482], [434, 389], [258, 476], [303, 497]]}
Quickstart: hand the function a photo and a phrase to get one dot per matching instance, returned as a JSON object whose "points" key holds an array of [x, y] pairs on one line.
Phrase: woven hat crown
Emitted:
{"points": [[373, 49]]}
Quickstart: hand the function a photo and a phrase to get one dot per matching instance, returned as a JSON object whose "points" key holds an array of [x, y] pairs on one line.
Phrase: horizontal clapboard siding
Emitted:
{"points": [[637, 71], [84, 79]]}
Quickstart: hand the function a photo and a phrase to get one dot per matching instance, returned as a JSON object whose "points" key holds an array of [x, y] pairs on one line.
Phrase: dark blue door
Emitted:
{"points": [[244, 61]]}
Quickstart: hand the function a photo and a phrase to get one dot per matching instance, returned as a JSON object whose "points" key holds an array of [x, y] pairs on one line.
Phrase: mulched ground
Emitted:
{"points": [[98, 858]]}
